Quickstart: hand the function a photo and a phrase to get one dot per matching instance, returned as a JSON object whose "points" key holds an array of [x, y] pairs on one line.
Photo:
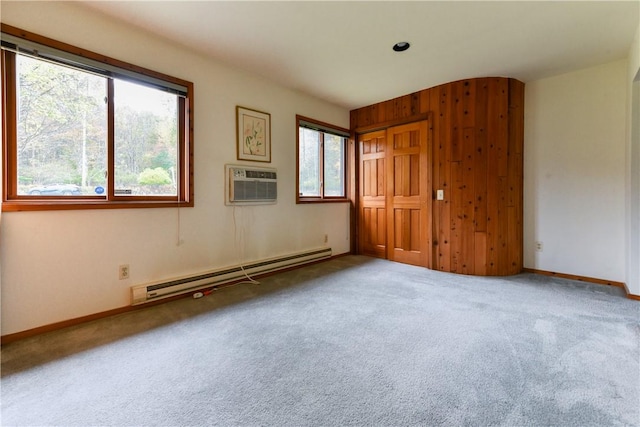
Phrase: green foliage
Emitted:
{"points": [[96, 176], [126, 179], [25, 180], [62, 130], [157, 176], [334, 165], [314, 145], [162, 160], [73, 178], [61, 122], [48, 174]]}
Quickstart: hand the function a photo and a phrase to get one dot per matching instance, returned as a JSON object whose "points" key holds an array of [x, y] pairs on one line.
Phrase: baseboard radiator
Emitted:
{"points": [[141, 294]]}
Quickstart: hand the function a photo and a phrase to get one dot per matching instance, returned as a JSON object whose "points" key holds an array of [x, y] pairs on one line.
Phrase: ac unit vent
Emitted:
{"points": [[250, 185]]}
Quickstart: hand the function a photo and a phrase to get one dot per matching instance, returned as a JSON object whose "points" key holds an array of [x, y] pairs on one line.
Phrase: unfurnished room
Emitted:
{"points": [[301, 213]]}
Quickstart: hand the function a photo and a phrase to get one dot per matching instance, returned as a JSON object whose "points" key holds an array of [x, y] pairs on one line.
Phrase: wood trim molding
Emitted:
{"points": [[584, 279], [575, 277], [392, 123], [9, 338], [630, 295]]}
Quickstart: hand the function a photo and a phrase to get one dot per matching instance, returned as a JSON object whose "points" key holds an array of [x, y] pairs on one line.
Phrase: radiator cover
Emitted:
{"points": [[141, 294]]}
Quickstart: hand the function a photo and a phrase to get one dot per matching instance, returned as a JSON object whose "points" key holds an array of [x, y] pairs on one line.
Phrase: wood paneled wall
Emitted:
{"points": [[477, 133]]}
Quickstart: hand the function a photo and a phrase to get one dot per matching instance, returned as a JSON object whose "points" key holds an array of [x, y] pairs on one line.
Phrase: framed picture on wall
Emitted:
{"points": [[254, 135]]}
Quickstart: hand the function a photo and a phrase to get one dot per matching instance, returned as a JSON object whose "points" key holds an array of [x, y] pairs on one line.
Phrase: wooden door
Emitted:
{"points": [[372, 216], [395, 194], [408, 200]]}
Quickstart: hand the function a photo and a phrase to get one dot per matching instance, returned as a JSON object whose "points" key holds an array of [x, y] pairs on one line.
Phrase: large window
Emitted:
{"points": [[85, 131], [322, 161]]}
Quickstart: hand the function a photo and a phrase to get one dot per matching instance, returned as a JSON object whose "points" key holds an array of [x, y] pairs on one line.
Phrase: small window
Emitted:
{"points": [[321, 162], [86, 131]]}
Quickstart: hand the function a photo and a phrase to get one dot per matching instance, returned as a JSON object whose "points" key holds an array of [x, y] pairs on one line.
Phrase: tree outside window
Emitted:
{"points": [[85, 131], [321, 164]]}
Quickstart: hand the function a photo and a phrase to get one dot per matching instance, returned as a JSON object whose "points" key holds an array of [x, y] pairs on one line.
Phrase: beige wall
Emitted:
{"points": [[60, 265], [633, 168], [574, 200]]}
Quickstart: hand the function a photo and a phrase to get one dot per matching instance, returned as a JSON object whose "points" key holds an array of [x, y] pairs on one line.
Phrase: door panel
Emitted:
{"points": [[374, 231], [372, 211], [408, 192]]}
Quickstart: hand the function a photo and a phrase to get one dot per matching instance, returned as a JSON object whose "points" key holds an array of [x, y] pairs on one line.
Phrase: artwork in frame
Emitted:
{"points": [[254, 135]]}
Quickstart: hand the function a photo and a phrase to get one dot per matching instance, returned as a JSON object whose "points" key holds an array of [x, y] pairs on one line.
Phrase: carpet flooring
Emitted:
{"points": [[352, 341]]}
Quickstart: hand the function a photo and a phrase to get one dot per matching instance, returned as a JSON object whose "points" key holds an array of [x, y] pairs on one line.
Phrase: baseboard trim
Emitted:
{"points": [[17, 336], [630, 295], [585, 279]]}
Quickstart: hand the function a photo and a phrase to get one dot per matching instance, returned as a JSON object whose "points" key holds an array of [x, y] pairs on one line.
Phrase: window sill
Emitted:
{"points": [[306, 200], [54, 205]]}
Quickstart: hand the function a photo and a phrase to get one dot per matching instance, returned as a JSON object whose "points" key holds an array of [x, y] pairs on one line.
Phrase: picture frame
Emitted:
{"points": [[253, 129]]}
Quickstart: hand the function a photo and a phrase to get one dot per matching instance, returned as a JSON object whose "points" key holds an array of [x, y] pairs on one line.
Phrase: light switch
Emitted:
{"points": [[440, 195]]}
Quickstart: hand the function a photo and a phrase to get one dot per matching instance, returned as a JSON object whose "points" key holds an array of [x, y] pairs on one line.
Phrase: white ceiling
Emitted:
{"points": [[341, 51]]}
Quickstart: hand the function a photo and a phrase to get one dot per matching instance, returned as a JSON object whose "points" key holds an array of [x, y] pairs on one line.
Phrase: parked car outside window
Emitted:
{"points": [[56, 190]]}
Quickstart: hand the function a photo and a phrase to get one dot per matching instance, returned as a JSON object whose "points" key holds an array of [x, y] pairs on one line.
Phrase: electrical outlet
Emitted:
{"points": [[538, 246], [123, 272]]}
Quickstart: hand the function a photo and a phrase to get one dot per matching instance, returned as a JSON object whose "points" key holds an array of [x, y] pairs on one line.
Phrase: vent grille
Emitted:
{"points": [[244, 191], [250, 185]]}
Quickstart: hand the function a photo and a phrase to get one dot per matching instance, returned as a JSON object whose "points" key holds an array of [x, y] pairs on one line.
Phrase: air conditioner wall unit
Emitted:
{"points": [[250, 185]]}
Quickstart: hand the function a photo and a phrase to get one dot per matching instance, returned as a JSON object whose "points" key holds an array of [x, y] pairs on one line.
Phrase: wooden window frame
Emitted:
{"points": [[11, 201], [346, 162]]}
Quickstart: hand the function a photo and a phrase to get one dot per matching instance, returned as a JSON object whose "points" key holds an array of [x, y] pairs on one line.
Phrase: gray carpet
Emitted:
{"points": [[352, 341]]}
